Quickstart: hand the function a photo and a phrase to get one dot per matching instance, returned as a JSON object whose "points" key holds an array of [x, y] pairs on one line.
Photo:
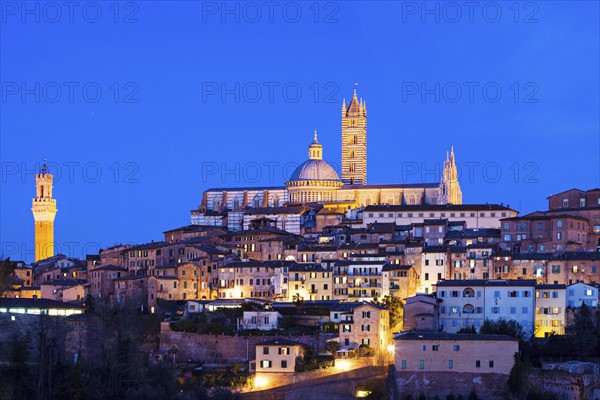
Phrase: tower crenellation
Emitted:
{"points": [[43, 207]]}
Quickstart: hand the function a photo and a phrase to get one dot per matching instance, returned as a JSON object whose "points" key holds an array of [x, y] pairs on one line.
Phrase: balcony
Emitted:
{"points": [[364, 285]]}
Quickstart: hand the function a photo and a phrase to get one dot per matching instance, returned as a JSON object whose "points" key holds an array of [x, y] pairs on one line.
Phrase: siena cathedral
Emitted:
{"points": [[315, 181]]}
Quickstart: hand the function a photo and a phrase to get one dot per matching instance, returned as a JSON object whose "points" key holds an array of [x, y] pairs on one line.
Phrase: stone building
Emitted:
{"points": [[455, 353], [421, 313], [183, 281], [310, 282], [473, 215], [100, 280], [365, 324], [277, 355], [265, 280], [398, 280]]}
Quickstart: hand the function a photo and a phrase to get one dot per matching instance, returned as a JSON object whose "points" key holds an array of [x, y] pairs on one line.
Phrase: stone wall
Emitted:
{"points": [[351, 369], [224, 349], [431, 384], [565, 385]]}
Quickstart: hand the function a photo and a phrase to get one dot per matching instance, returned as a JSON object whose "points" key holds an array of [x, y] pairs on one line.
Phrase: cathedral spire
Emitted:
{"points": [[450, 187]]}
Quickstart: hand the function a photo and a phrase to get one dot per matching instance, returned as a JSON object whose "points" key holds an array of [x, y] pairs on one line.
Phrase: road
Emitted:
{"points": [[333, 387]]}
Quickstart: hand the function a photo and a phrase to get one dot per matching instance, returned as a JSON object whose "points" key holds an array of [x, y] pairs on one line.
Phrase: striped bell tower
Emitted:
{"points": [[354, 141]]}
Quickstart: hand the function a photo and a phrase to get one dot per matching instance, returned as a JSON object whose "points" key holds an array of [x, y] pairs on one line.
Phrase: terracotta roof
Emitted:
{"points": [[109, 267], [485, 282]]}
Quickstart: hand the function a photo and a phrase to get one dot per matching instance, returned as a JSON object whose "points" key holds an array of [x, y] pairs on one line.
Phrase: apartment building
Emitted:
{"points": [[367, 325], [470, 302], [550, 306], [310, 282]]}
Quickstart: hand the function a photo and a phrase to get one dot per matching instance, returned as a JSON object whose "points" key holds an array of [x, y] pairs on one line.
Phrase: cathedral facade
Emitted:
{"points": [[315, 181]]}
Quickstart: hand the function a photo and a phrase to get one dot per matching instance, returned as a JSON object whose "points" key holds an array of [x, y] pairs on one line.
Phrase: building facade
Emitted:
{"points": [[455, 353], [468, 303], [277, 356], [550, 306]]}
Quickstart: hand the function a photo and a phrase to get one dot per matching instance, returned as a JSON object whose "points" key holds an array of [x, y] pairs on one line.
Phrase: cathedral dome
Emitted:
{"points": [[314, 170], [314, 180]]}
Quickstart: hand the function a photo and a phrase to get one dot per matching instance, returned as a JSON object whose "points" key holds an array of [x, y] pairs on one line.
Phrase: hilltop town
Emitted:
{"points": [[402, 290]]}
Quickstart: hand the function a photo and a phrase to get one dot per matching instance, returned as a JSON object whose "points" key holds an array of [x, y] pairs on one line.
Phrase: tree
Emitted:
{"points": [[502, 327], [396, 307], [333, 346], [7, 269], [298, 302], [583, 333], [468, 329], [515, 379]]}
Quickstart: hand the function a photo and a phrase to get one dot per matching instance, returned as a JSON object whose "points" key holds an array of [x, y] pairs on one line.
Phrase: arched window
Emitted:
{"points": [[468, 309], [216, 204], [275, 201], [413, 199], [236, 204], [256, 201], [468, 292]]}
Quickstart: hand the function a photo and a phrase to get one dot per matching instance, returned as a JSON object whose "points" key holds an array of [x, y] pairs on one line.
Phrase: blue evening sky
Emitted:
{"points": [[140, 106]]}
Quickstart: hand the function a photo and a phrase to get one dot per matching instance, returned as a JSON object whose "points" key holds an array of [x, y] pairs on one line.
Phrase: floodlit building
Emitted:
{"points": [[277, 356], [454, 353], [550, 305]]}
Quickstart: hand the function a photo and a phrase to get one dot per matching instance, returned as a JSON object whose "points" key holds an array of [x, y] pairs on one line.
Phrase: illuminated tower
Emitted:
{"points": [[354, 141], [44, 210], [451, 192]]}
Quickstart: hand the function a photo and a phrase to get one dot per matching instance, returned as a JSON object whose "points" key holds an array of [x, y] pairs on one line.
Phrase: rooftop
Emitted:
{"points": [[438, 207], [279, 342], [36, 303], [418, 335], [483, 282]]}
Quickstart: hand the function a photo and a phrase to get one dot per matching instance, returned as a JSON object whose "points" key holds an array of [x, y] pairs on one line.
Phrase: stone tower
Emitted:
{"points": [[44, 210], [451, 192], [354, 141]]}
